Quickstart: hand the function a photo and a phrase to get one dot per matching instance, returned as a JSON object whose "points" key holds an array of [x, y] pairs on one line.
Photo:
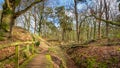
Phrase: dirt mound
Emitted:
{"points": [[96, 56], [18, 34], [107, 42], [21, 34]]}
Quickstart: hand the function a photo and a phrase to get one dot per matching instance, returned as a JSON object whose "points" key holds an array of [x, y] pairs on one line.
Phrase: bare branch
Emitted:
{"points": [[107, 21], [23, 11]]}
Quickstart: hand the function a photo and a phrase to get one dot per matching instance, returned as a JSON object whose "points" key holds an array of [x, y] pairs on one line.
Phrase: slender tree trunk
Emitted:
{"points": [[11, 27], [63, 35], [40, 23], [99, 29], [100, 16], [107, 30], [107, 17], [91, 32], [94, 30], [87, 34], [41, 18], [35, 25], [119, 6], [77, 26], [28, 23]]}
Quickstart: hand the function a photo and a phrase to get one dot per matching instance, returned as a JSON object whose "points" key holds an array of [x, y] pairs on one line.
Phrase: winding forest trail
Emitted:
{"points": [[40, 61]]}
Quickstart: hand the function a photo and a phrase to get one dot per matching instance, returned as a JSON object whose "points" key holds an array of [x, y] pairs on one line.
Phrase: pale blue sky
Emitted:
{"points": [[1, 2], [67, 3]]}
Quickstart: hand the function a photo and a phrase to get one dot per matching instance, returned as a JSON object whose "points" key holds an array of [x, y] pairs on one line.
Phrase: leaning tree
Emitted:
{"points": [[9, 13]]}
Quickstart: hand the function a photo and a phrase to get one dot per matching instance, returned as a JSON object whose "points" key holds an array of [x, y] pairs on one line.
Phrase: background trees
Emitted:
{"points": [[76, 20], [9, 13]]}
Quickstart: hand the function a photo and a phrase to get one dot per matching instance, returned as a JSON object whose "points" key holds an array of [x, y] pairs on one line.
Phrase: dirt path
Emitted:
{"points": [[39, 61]]}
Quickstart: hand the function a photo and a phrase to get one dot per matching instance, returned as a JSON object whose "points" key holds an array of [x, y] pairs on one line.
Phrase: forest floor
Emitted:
{"points": [[102, 53], [97, 54]]}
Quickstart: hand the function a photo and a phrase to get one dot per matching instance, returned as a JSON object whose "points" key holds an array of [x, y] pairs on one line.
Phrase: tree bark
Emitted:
{"points": [[107, 17], [99, 29], [94, 30], [41, 18], [9, 14], [77, 26]]}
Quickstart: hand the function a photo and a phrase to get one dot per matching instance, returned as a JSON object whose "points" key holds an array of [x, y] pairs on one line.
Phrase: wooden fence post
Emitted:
{"points": [[33, 49], [16, 56]]}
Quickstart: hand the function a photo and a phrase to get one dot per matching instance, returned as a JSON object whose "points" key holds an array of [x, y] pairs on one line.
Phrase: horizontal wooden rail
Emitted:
{"points": [[17, 50], [16, 43]]}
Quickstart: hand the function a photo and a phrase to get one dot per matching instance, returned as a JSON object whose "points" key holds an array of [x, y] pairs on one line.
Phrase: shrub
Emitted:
{"points": [[2, 38], [37, 43], [91, 63]]}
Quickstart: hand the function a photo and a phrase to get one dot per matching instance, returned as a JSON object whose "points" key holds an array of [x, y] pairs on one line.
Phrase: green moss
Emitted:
{"points": [[26, 62], [32, 49], [1, 33], [26, 52], [50, 65], [91, 62], [2, 38], [57, 51], [114, 60], [17, 2], [8, 11], [7, 61], [5, 26], [102, 65]]}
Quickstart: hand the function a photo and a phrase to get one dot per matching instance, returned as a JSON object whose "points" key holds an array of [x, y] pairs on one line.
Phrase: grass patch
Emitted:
{"points": [[91, 62], [58, 52], [2, 38], [49, 63], [7, 61], [102, 65]]}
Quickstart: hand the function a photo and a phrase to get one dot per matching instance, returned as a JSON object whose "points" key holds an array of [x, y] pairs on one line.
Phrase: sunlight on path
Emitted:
{"points": [[40, 61]]}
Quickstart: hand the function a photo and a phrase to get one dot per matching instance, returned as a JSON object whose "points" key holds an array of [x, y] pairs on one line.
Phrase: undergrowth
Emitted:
{"points": [[57, 51]]}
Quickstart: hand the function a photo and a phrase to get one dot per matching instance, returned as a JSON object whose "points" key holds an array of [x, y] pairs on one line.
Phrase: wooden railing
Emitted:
{"points": [[18, 48]]}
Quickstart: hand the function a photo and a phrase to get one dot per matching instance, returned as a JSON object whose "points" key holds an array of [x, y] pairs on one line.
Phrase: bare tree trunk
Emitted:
{"points": [[63, 35], [94, 30], [9, 14], [99, 29], [77, 26], [99, 21], [41, 18], [7, 19], [107, 17], [35, 25]]}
